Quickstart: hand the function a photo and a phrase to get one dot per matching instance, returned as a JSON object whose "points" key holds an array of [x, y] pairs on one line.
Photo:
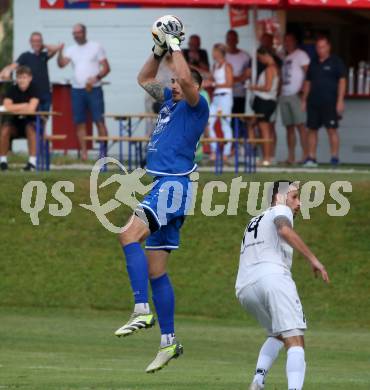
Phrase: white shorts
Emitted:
{"points": [[274, 302]]}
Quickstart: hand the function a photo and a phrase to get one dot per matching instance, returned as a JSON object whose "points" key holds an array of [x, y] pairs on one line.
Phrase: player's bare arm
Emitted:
{"points": [[104, 69], [182, 71], [285, 230], [6, 73], [61, 60], [29, 107], [52, 49], [342, 87], [146, 79], [306, 91]]}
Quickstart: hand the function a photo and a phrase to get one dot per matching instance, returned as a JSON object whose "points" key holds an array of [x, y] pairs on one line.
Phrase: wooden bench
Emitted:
{"points": [[42, 144], [249, 152], [47, 139]]}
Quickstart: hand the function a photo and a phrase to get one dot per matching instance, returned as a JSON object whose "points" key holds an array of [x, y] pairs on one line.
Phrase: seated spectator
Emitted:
{"points": [[264, 102], [195, 56], [37, 60], [22, 98], [222, 101]]}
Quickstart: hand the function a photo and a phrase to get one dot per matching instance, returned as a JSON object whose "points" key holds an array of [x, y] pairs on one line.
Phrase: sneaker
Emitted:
{"points": [[4, 166], [255, 386], [29, 167], [334, 161], [310, 163], [136, 322], [164, 355]]}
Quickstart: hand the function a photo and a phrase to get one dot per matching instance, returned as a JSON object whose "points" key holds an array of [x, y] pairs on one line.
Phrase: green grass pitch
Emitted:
{"points": [[64, 290], [72, 349]]}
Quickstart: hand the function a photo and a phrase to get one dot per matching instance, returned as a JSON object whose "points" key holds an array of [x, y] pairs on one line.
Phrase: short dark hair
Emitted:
{"points": [[83, 26], [36, 33], [23, 70], [323, 37], [292, 34], [278, 187], [232, 32], [196, 76], [262, 50]]}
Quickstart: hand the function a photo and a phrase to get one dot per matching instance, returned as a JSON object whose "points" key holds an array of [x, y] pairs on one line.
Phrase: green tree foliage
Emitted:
{"points": [[6, 44]]}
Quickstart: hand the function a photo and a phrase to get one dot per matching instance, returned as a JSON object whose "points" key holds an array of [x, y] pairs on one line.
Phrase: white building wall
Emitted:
{"points": [[125, 34]]}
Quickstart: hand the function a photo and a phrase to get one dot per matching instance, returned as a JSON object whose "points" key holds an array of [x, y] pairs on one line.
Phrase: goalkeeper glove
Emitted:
{"points": [[173, 35], [173, 43], [158, 52]]}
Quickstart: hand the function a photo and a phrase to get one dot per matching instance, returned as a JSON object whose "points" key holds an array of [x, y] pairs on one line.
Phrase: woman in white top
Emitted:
{"points": [[222, 101], [265, 99]]}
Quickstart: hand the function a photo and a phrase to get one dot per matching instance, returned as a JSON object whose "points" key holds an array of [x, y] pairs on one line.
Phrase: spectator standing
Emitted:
{"points": [[90, 66], [23, 98], [295, 65], [195, 56], [267, 42], [323, 97], [241, 66], [37, 60], [222, 101], [264, 102]]}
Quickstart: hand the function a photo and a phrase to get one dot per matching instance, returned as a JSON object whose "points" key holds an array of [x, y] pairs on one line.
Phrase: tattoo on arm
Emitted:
{"points": [[281, 221], [155, 90]]}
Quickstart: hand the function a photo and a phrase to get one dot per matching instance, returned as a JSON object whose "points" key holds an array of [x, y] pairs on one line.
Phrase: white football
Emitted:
{"points": [[157, 33]]}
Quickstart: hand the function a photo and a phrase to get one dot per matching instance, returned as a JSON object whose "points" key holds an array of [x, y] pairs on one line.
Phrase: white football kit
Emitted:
{"points": [[264, 284]]}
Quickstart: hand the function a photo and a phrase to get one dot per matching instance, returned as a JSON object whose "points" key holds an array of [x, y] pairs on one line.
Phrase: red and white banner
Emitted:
{"points": [[89, 4], [333, 3], [238, 16], [52, 4]]}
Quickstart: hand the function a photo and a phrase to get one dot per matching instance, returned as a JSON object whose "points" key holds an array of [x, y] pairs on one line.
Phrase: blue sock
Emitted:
{"points": [[137, 268], [164, 302]]}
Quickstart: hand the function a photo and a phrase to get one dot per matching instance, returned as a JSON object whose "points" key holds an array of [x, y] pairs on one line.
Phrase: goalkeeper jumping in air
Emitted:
{"points": [[158, 219]]}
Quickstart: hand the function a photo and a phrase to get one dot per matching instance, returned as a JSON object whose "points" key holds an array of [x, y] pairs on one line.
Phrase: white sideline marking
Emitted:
{"points": [[277, 169], [229, 169], [69, 368]]}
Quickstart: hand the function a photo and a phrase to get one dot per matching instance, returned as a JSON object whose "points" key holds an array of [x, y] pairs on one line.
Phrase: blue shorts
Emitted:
{"points": [[166, 205], [83, 101]]}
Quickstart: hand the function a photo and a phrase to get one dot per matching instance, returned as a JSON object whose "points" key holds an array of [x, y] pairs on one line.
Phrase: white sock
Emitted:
{"points": [[295, 368], [3, 159], [167, 339], [142, 308], [268, 354], [32, 160]]}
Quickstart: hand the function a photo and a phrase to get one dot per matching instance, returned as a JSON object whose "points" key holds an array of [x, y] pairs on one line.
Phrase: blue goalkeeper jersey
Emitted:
{"points": [[174, 140]]}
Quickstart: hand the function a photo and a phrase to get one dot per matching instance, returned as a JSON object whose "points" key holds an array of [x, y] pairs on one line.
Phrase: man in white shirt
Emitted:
{"points": [[265, 287], [240, 61], [90, 66], [294, 70]]}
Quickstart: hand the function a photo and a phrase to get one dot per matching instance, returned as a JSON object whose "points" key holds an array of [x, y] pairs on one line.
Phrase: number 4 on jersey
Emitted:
{"points": [[253, 225]]}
